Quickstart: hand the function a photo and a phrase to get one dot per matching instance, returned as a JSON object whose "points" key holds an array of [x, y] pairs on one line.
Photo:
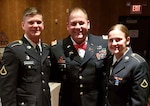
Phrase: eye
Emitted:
{"points": [[110, 40], [118, 39], [31, 22], [73, 24], [39, 22], [81, 23], [77, 23], [114, 40]]}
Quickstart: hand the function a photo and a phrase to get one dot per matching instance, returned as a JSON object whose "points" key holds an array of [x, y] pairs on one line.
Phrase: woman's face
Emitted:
{"points": [[117, 42]]}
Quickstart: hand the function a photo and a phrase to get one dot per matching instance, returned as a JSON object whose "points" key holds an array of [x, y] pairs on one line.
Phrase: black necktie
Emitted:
{"points": [[38, 49], [114, 65]]}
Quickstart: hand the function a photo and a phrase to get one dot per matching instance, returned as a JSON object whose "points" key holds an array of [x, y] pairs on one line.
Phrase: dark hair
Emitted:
{"points": [[31, 11]]}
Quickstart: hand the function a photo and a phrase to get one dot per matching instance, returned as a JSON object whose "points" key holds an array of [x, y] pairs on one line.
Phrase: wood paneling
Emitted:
{"points": [[101, 14]]}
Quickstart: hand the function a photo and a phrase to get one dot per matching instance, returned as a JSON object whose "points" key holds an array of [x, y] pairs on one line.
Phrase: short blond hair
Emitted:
{"points": [[31, 11]]}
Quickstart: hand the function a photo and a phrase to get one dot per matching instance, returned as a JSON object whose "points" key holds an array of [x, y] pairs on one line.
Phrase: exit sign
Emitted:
{"points": [[136, 9]]}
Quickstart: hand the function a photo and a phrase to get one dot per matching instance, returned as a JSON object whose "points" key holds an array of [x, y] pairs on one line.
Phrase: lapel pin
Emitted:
{"points": [[70, 53], [68, 46], [28, 47], [61, 60], [27, 57], [91, 49], [126, 58]]}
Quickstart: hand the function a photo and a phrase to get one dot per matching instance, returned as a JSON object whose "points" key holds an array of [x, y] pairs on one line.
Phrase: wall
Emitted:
{"points": [[102, 14]]}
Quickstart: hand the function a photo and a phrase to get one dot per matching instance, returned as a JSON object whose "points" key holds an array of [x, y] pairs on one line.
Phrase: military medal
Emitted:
{"points": [[117, 80], [62, 63]]}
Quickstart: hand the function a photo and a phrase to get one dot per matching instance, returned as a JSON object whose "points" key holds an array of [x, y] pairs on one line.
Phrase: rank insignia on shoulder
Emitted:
{"points": [[16, 43], [3, 71], [53, 43], [144, 84], [45, 44]]}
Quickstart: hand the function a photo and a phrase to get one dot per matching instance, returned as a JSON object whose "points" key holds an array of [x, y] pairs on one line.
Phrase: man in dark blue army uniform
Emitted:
{"points": [[25, 70], [79, 62]]}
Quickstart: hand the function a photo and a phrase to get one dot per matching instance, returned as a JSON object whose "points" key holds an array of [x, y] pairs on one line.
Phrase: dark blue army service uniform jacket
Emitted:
{"points": [[128, 85], [80, 78], [24, 75]]}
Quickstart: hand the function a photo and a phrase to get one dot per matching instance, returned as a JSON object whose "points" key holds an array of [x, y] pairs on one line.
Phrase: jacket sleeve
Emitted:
{"points": [[8, 77], [140, 88]]}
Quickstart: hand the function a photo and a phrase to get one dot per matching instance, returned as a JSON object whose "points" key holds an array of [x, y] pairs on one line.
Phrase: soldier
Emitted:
{"points": [[25, 71], [127, 78], [78, 62]]}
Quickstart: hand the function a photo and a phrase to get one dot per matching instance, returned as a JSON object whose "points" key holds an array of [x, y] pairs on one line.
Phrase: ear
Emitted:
{"points": [[22, 24], [67, 26], [128, 41], [43, 26], [88, 22]]}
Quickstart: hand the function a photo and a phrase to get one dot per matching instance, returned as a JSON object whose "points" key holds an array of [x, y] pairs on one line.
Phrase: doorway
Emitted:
{"points": [[139, 28]]}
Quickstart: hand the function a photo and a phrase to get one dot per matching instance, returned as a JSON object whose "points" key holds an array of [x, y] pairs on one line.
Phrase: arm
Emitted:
{"points": [[8, 80], [140, 89]]}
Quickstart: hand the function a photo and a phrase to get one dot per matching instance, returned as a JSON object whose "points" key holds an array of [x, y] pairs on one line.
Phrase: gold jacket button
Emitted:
{"points": [[81, 85], [80, 77], [81, 93]]}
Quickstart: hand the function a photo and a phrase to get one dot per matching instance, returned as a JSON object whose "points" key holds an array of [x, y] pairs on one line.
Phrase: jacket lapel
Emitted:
{"points": [[70, 50], [30, 50], [89, 52], [121, 65], [45, 52]]}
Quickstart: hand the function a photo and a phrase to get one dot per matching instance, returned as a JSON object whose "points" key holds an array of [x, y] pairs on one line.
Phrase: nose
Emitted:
{"points": [[35, 24], [78, 26], [114, 42]]}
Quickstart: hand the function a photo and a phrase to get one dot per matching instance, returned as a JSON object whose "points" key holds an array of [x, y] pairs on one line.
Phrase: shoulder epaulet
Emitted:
{"points": [[53, 43], [105, 37], [45, 44], [137, 57], [16, 43]]}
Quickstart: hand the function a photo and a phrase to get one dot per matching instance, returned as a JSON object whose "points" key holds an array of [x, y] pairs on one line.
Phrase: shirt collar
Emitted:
{"points": [[31, 42], [115, 59]]}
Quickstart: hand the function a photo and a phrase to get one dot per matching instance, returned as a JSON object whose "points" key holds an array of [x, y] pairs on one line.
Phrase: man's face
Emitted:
{"points": [[117, 42], [33, 26], [78, 26]]}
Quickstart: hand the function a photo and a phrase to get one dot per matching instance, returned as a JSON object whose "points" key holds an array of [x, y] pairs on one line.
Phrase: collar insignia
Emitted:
{"points": [[28, 47]]}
